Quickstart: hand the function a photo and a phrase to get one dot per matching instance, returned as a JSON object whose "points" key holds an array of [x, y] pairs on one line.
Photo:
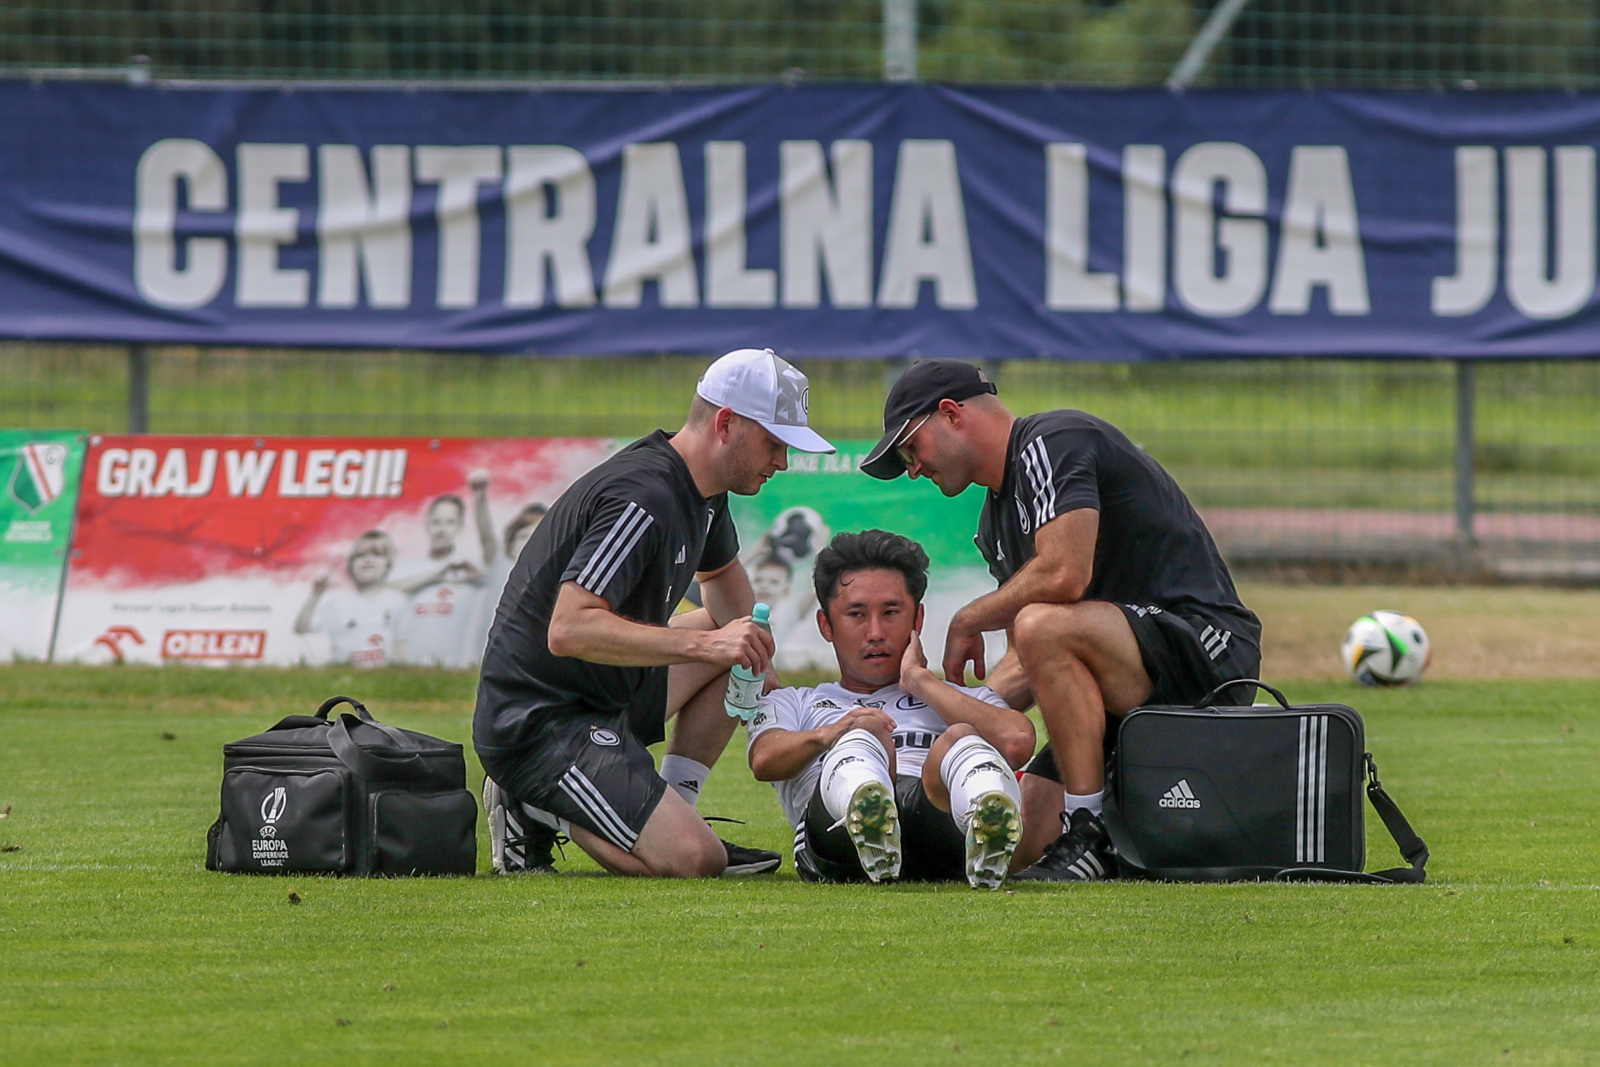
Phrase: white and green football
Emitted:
{"points": [[1386, 648]]}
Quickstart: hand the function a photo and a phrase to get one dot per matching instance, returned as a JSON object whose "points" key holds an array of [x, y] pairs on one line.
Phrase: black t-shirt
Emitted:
{"points": [[1152, 547], [633, 530]]}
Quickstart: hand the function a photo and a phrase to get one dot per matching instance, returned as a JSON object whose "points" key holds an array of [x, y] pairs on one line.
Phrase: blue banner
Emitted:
{"points": [[820, 221]]}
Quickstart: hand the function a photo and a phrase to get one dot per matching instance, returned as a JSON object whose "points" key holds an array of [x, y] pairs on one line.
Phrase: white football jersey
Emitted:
{"points": [[360, 626], [916, 725], [440, 619]]}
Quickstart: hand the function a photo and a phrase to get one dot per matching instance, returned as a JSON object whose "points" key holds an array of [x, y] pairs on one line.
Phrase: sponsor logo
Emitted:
{"points": [[213, 644], [760, 718], [272, 805], [443, 604], [30, 532], [825, 703], [1022, 514], [114, 638], [909, 703], [682, 554], [986, 765], [870, 704], [1179, 796], [601, 736]]}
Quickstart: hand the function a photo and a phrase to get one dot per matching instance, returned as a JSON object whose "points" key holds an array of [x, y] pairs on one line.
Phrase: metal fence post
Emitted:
{"points": [[900, 40], [1465, 455], [138, 389]]}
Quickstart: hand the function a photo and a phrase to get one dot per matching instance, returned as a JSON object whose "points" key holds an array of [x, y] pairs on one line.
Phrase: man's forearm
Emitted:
{"points": [[1033, 584], [601, 636], [782, 754]]}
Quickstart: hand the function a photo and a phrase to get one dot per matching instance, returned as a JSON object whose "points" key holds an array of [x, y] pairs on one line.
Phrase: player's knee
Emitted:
{"points": [[1039, 629]]}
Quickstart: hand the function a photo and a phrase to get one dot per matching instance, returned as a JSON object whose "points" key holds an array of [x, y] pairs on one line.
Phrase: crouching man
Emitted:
{"points": [[890, 772]]}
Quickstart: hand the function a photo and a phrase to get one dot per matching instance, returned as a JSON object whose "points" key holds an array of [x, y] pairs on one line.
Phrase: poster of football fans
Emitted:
{"points": [[782, 529], [314, 550], [39, 471]]}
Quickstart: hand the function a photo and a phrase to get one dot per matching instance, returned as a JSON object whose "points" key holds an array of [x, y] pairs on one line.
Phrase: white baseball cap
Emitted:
{"points": [[755, 383]]}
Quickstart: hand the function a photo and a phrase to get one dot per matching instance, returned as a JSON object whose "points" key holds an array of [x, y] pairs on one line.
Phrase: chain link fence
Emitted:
{"points": [[1432, 465]]}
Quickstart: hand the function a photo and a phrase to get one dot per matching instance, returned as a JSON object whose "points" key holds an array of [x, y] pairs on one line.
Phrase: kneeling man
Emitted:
{"points": [[890, 772]]}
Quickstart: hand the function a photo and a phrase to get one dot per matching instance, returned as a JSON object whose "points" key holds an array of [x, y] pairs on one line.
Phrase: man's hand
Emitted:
{"points": [[740, 642], [319, 584], [478, 481], [875, 721], [962, 645], [914, 672]]}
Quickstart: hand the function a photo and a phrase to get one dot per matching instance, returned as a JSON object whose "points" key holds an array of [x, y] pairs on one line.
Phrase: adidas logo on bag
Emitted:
{"points": [[1179, 796]]}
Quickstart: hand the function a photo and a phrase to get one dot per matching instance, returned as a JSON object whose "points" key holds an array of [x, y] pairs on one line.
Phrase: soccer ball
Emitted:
{"points": [[1386, 648]]}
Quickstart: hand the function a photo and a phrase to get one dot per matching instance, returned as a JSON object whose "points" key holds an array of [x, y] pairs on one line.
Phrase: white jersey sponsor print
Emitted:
{"points": [[916, 726], [360, 626]]}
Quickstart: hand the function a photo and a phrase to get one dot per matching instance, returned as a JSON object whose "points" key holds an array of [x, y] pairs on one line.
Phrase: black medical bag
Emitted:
{"points": [[1217, 792], [349, 795]]}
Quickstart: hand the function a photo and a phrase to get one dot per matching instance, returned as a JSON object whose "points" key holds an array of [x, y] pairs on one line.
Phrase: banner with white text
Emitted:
{"points": [[291, 550], [870, 221]]}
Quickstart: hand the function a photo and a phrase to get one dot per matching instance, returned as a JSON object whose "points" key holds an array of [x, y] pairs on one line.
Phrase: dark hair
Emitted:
{"points": [[449, 498], [531, 515], [773, 560], [869, 550]]}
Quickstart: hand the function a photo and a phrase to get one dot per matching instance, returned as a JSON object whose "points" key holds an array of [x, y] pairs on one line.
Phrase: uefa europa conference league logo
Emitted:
{"points": [[267, 849]]}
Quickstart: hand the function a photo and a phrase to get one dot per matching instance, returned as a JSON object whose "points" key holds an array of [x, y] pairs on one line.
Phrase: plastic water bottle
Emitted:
{"points": [[744, 685]]}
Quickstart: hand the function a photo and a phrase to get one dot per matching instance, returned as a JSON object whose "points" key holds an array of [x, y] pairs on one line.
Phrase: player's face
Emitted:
{"points": [[444, 525], [870, 621], [753, 456], [520, 539], [770, 584], [933, 450], [369, 564]]}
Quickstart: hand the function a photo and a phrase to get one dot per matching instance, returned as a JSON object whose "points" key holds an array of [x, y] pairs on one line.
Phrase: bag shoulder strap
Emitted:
{"points": [[1412, 847], [367, 763]]}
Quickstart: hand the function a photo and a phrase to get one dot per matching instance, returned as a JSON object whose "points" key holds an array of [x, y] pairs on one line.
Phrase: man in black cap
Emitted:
{"points": [[1112, 593]]}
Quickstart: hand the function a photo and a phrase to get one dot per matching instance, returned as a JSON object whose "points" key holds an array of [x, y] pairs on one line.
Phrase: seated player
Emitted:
{"points": [[891, 771]]}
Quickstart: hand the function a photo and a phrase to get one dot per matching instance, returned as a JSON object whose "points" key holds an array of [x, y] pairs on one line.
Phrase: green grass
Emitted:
{"points": [[116, 947], [1306, 433]]}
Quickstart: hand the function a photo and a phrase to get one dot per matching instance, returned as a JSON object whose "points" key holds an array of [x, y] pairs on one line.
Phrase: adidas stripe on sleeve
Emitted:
{"points": [[1056, 473], [621, 543]]}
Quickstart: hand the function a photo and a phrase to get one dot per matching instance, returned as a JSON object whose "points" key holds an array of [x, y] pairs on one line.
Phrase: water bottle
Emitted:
{"points": [[744, 685]]}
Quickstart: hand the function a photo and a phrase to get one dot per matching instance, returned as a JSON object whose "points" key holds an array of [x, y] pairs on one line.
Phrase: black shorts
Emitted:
{"points": [[1186, 658], [933, 848], [591, 771]]}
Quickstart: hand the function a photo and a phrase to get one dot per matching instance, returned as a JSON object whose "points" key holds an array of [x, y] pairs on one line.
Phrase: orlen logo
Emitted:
{"points": [[213, 644], [114, 636], [272, 805]]}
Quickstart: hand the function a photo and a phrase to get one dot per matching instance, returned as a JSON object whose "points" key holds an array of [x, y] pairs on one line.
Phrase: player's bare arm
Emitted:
{"points": [[1009, 731], [1059, 572], [725, 592], [583, 624], [478, 482], [780, 754]]}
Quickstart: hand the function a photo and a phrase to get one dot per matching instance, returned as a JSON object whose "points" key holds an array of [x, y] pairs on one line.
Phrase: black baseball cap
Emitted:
{"points": [[919, 391]]}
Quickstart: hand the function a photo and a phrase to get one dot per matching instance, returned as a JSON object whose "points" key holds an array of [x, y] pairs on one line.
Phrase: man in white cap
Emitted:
{"points": [[586, 661]]}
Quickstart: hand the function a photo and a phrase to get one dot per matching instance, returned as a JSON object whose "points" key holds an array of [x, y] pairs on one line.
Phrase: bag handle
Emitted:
{"points": [[1258, 683], [364, 761], [333, 702]]}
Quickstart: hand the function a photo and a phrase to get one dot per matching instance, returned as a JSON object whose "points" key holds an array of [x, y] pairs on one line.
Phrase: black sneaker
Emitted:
{"points": [[743, 860], [1082, 853], [518, 843]]}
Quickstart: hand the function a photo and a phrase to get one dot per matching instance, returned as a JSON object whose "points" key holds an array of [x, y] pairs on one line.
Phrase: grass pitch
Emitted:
{"points": [[117, 947]]}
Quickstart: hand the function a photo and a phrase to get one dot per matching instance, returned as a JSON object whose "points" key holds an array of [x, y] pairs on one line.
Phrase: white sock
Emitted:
{"points": [[685, 776], [854, 759], [971, 769], [1093, 801]]}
